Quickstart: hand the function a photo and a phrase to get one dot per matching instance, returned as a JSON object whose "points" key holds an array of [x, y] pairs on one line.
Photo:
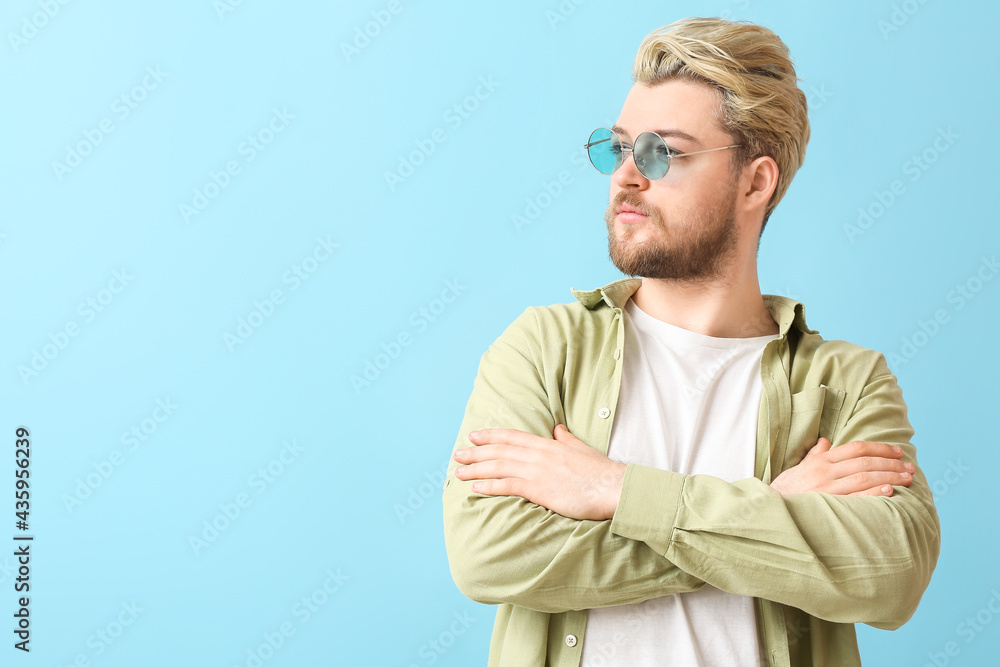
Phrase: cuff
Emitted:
{"points": [[648, 506]]}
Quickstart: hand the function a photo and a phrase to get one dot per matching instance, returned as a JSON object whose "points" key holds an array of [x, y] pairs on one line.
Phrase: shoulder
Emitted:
{"points": [[561, 321], [837, 363]]}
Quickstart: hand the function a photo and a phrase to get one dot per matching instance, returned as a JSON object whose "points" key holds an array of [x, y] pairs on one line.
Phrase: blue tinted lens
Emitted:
{"points": [[605, 151], [651, 157]]}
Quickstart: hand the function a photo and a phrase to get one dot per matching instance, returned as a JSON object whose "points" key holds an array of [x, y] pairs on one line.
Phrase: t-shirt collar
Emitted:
{"points": [[786, 312]]}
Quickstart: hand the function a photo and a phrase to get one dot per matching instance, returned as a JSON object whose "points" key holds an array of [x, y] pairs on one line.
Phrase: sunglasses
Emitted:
{"points": [[652, 157]]}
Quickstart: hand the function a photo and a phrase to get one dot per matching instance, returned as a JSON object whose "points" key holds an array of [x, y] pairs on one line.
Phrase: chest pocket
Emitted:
{"points": [[815, 413]]}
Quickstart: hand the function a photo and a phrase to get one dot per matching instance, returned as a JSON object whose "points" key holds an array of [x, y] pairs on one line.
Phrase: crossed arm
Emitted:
{"points": [[575, 480], [538, 533], [506, 549]]}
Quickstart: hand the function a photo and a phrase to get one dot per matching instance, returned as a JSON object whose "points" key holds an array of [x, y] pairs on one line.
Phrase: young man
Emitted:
{"points": [[676, 469]]}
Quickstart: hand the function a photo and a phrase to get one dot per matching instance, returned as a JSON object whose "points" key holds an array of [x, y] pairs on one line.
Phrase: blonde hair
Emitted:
{"points": [[761, 103]]}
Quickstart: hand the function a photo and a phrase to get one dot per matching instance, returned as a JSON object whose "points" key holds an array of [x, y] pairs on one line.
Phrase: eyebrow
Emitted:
{"points": [[663, 133]]}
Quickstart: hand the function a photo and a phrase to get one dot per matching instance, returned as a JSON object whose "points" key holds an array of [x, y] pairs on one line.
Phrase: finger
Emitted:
{"points": [[562, 434], [507, 436], [884, 490], [498, 469], [870, 464], [866, 480], [864, 448], [492, 452], [499, 487], [821, 447]]}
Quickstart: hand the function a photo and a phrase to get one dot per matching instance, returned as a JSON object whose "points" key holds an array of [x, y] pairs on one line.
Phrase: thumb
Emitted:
{"points": [[561, 433], [822, 446]]}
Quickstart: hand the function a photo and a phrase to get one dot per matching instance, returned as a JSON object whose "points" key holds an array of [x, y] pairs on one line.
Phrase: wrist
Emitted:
{"points": [[616, 478]]}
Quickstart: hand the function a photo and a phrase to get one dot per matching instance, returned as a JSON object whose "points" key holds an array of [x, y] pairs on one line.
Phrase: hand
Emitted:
{"points": [[564, 474], [857, 468]]}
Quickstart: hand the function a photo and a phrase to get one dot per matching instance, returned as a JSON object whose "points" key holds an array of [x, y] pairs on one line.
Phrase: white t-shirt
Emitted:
{"points": [[688, 403]]}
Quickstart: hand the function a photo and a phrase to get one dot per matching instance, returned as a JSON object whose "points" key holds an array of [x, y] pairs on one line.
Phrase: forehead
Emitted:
{"points": [[683, 108]]}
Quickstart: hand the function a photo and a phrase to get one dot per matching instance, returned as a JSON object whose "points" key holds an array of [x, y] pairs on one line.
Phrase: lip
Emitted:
{"points": [[630, 214]]}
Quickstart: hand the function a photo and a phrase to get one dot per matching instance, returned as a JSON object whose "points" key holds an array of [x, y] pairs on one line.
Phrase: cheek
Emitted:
{"points": [[668, 200]]}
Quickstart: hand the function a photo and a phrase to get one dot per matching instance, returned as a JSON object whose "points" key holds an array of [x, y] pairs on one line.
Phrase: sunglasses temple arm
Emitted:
{"points": [[707, 150]]}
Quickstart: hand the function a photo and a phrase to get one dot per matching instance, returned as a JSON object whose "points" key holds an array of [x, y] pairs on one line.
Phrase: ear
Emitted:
{"points": [[757, 184]]}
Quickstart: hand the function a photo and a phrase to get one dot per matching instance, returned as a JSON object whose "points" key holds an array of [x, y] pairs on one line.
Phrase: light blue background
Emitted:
{"points": [[878, 98]]}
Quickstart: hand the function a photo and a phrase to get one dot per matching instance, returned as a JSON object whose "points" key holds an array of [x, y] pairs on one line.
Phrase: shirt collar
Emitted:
{"points": [[786, 312]]}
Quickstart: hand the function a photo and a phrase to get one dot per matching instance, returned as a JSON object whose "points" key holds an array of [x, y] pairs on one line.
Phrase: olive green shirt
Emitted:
{"points": [[816, 563]]}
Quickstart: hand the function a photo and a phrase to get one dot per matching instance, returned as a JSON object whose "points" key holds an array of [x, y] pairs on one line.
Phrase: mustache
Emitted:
{"points": [[631, 200]]}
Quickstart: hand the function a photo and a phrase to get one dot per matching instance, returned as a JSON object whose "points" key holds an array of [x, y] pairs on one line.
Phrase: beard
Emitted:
{"points": [[694, 250]]}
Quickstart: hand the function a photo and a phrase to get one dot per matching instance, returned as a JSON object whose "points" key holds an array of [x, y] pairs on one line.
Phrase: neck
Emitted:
{"points": [[729, 306]]}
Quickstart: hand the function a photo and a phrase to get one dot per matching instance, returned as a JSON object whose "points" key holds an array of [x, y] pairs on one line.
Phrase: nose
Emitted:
{"points": [[627, 175]]}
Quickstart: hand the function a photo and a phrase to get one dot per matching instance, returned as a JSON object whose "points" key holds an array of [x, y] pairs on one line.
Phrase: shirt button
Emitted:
{"points": [[618, 353], [571, 640], [603, 413]]}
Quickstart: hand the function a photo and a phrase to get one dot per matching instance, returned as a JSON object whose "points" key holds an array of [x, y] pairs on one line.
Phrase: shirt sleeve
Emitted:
{"points": [[844, 559], [505, 549]]}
